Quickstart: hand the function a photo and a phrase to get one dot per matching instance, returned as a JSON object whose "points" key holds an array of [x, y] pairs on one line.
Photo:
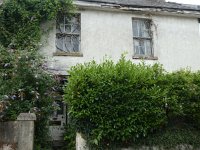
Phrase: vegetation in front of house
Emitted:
{"points": [[171, 138], [70, 137], [25, 85], [122, 104]]}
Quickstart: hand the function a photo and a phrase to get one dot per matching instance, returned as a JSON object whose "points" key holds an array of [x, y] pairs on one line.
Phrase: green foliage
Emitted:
{"points": [[20, 20], [184, 88], [116, 102], [23, 82], [171, 138], [25, 85], [127, 103], [70, 137]]}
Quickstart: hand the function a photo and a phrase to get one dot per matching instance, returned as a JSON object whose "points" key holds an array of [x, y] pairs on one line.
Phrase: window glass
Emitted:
{"points": [[68, 34], [142, 37]]}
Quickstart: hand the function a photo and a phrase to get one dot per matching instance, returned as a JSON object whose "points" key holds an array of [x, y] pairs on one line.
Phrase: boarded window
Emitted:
{"points": [[68, 34], [142, 37]]}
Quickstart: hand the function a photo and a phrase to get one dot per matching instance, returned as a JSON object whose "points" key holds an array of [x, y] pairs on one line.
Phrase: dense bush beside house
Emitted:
{"points": [[118, 105], [25, 85]]}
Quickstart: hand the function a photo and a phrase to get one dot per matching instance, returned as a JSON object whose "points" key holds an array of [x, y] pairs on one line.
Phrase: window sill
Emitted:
{"points": [[73, 54], [145, 57]]}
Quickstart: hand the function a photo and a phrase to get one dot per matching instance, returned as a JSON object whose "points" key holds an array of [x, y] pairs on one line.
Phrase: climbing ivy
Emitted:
{"points": [[25, 84], [20, 20]]}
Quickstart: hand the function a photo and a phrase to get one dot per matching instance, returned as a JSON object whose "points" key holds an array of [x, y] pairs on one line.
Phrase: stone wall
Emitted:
{"points": [[18, 135]]}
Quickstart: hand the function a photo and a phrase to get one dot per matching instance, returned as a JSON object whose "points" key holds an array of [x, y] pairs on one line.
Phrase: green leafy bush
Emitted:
{"points": [[127, 103], [116, 102], [184, 88]]}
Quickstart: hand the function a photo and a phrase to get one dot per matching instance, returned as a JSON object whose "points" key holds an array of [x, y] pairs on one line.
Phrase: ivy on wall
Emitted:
{"points": [[20, 20], [25, 85]]}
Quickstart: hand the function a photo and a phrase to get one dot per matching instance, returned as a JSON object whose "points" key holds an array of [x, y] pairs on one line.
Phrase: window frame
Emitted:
{"points": [[138, 38], [199, 25], [65, 34]]}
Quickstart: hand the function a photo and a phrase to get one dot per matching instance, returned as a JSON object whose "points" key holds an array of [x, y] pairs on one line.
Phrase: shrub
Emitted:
{"points": [[128, 103], [116, 102], [184, 88]]}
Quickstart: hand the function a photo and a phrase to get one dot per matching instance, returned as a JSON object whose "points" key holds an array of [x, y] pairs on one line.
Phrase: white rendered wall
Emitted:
{"points": [[178, 42], [109, 33]]}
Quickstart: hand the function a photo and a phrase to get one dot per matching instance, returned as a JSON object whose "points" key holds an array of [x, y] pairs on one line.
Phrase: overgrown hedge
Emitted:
{"points": [[124, 102]]}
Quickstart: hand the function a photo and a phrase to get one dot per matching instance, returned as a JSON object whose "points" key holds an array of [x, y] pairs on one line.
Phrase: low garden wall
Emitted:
{"points": [[18, 135]]}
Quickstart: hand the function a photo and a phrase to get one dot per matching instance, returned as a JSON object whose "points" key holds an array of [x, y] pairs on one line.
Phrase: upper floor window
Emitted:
{"points": [[199, 25], [68, 34], [142, 38]]}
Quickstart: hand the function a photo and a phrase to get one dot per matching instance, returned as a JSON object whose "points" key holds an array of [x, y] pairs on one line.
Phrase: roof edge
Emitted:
{"points": [[114, 6], [161, 5]]}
